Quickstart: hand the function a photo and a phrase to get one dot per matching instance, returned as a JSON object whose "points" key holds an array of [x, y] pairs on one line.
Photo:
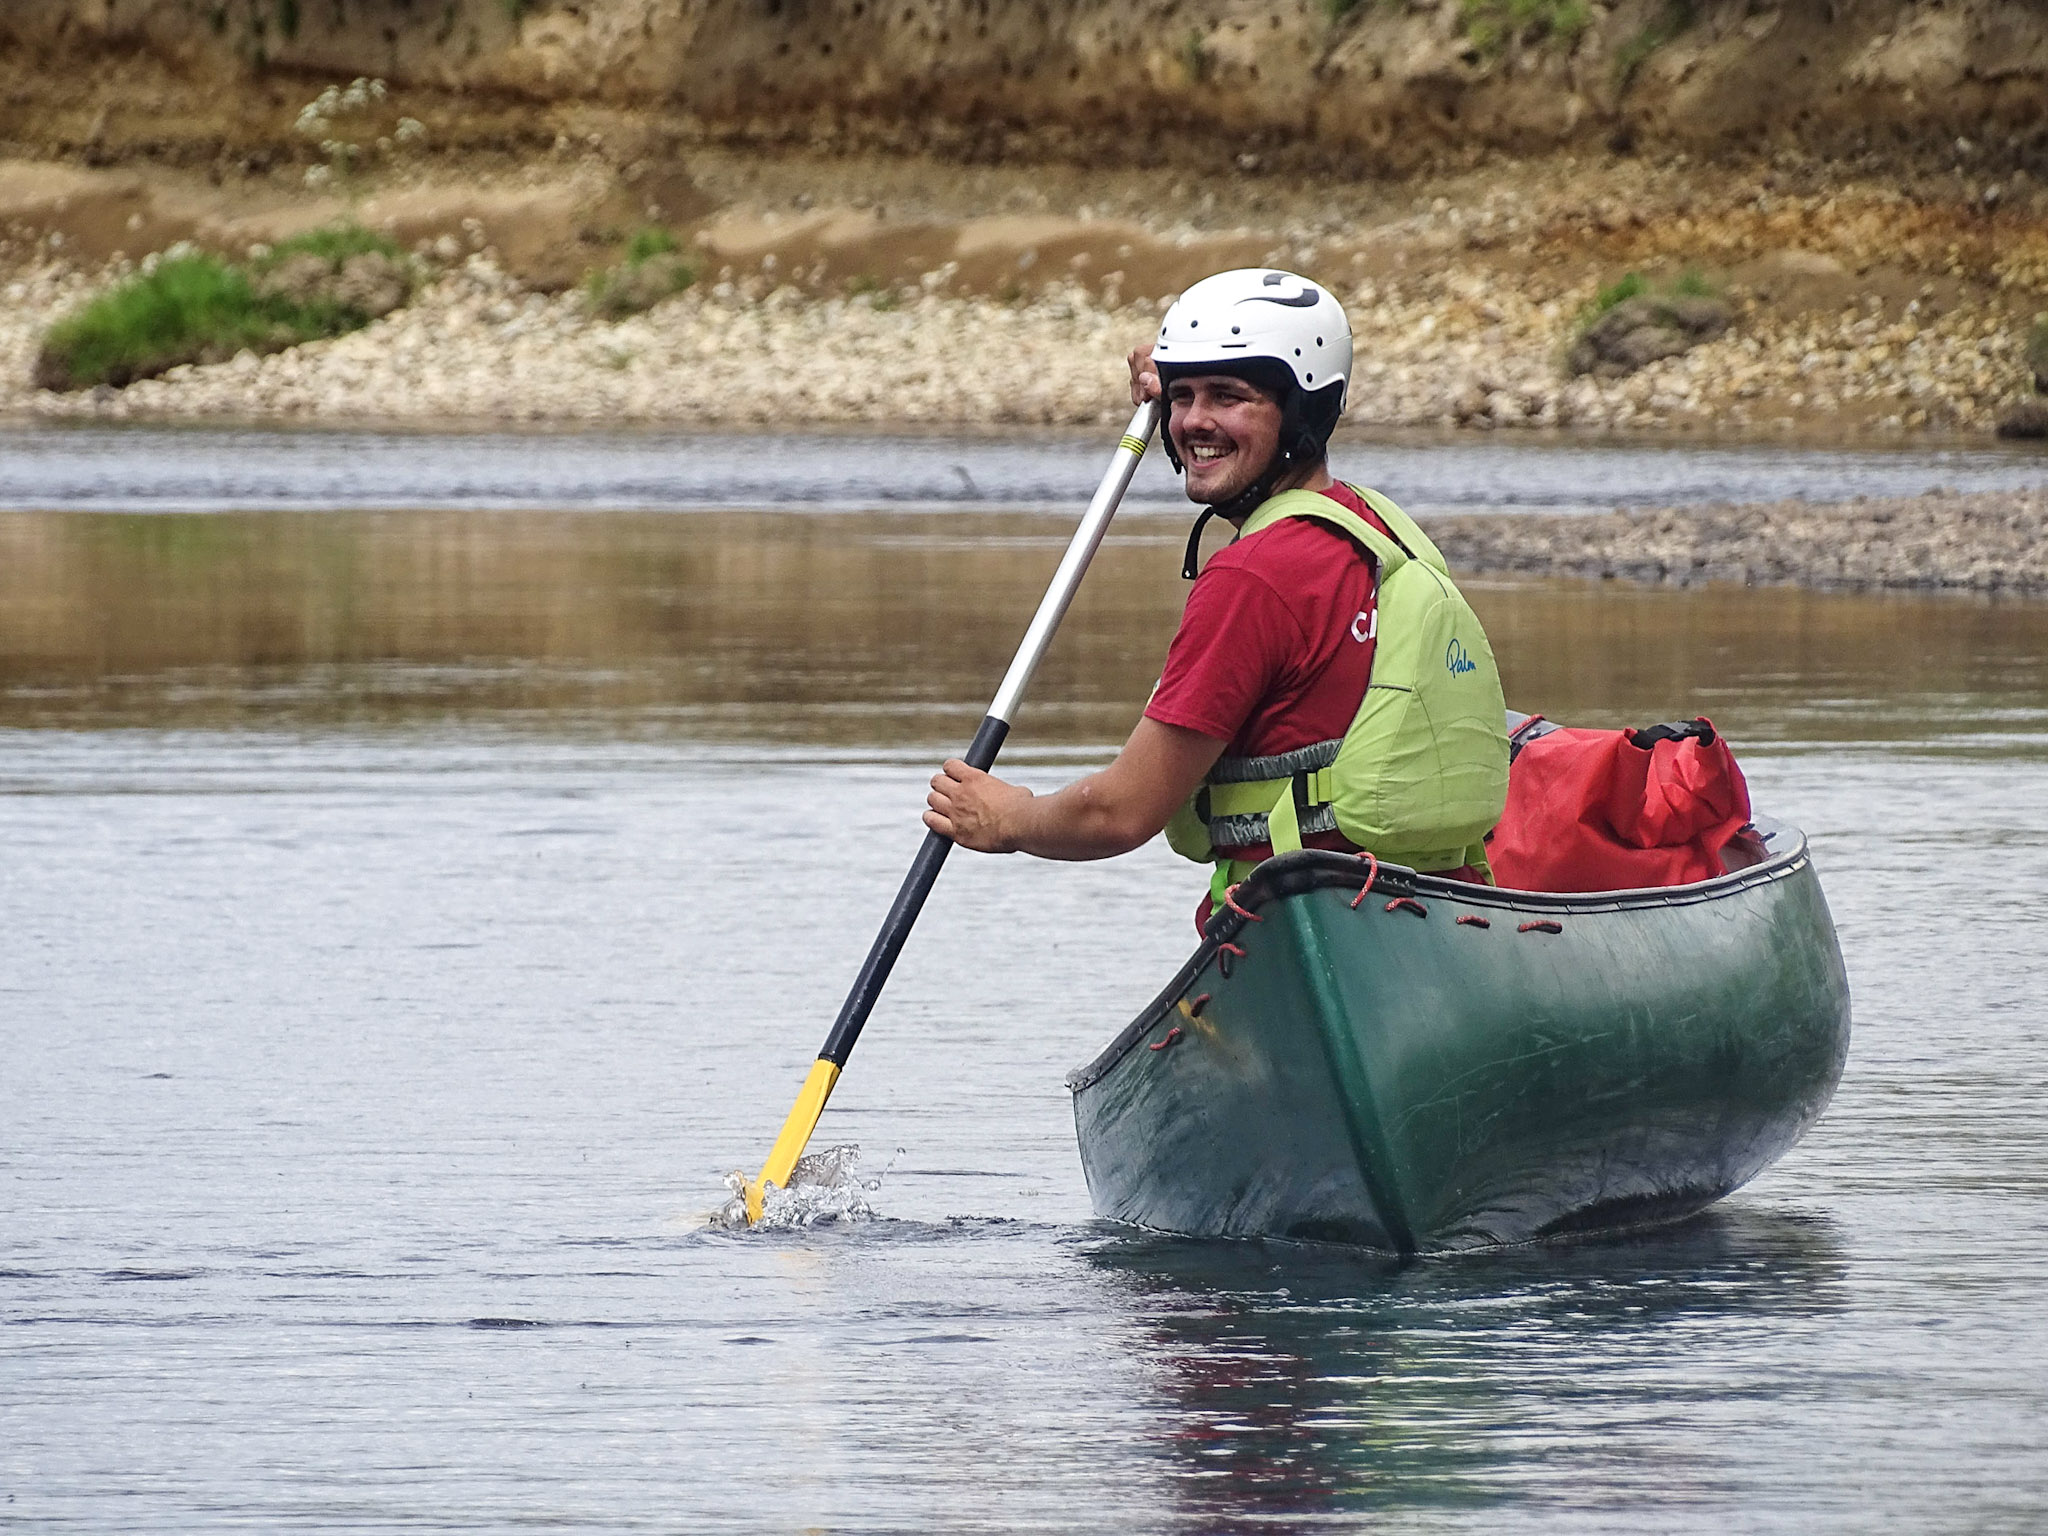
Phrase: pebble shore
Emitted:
{"points": [[473, 347], [1988, 542]]}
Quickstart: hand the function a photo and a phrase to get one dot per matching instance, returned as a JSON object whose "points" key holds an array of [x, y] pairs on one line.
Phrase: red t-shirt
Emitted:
{"points": [[1275, 647]]}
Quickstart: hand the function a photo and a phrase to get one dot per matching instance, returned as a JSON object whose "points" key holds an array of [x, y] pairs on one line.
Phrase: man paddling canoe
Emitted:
{"points": [[1272, 726]]}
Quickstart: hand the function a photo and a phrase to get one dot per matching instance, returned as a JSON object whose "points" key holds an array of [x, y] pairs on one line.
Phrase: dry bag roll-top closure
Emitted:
{"points": [[1421, 775]]}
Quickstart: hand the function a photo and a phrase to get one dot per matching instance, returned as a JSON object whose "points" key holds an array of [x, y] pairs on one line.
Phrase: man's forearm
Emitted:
{"points": [[1097, 817], [1078, 822]]}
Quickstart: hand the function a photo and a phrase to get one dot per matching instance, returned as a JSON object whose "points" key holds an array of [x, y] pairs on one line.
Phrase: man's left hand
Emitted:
{"points": [[975, 809]]}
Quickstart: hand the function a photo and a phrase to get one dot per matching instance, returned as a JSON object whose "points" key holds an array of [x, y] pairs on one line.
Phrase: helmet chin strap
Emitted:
{"points": [[1235, 510], [1297, 443]]}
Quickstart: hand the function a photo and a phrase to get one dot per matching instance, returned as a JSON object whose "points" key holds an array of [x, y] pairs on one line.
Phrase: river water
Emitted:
{"points": [[411, 908]]}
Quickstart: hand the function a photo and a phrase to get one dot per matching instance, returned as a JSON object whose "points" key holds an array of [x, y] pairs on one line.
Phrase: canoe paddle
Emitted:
{"points": [[924, 869]]}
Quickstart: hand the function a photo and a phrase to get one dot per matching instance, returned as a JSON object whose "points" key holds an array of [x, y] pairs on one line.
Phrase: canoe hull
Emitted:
{"points": [[1388, 1076]]}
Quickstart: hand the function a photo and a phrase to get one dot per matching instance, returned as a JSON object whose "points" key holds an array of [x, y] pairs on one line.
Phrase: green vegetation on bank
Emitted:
{"points": [[649, 270], [1492, 24], [192, 307], [1633, 322], [1689, 284], [332, 243]]}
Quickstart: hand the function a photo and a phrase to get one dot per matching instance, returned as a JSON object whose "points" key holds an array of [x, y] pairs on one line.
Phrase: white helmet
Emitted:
{"points": [[1255, 314], [1273, 329]]}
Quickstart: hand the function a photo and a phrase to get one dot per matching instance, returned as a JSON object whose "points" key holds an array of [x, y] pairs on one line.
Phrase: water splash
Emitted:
{"points": [[823, 1187]]}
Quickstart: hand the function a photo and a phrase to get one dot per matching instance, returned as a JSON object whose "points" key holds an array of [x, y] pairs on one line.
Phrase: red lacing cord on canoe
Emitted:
{"points": [[1172, 1035], [1195, 1008], [1470, 921], [1371, 875], [1408, 903], [1542, 925], [1230, 901], [1223, 964]]}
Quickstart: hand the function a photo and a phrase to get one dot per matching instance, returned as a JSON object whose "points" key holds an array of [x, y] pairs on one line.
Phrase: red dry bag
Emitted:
{"points": [[1617, 810]]}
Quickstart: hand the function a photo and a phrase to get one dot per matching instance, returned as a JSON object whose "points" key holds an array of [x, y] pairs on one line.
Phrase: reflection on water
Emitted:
{"points": [[862, 629], [1308, 1385]]}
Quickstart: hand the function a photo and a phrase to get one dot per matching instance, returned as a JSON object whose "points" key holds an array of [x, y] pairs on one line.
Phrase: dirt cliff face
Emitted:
{"points": [[1373, 86]]}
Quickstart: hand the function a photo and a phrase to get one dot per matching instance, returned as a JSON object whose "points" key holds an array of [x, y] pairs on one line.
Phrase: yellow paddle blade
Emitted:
{"points": [[796, 1135]]}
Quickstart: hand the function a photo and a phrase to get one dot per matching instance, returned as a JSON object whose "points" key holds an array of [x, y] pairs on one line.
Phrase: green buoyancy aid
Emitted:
{"points": [[1421, 775]]}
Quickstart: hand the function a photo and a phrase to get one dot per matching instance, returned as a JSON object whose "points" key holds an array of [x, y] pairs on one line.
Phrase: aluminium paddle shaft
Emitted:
{"points": [[924, 869]]}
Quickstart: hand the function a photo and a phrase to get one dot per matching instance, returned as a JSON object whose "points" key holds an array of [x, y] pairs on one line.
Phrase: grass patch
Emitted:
{"points": [[196, 308], [333, 244], [1337, 10], [1689, 284], [2037, 351], [1490, 25], [1625, 287], [648, 243], [648, 271], [1692, 284]]}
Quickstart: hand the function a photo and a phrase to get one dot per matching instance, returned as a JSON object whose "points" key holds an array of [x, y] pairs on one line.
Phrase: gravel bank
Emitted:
{"points": [[1989, 542], [475, 347], [1451, 343]]}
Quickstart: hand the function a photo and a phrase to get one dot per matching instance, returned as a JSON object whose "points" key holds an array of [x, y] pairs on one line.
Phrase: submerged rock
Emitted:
{"points": [[1643, 329]]}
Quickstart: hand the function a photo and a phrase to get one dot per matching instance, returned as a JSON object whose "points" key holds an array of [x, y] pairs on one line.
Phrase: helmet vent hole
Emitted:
{"points": [[1236, 329], [1297, 351], [1311, 378], [1194, 325], [1319, 341]]}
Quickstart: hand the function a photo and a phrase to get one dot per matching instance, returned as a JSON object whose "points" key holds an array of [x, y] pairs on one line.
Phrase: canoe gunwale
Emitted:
{"points": [[1312, 869]]}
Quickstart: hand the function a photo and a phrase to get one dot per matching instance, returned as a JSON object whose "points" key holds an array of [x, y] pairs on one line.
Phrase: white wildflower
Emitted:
{"points": [[318, 176], [411, 131]]}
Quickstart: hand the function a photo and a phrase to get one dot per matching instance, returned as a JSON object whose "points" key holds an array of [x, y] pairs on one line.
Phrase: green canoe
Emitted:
{"points": [[1443, 1066]]}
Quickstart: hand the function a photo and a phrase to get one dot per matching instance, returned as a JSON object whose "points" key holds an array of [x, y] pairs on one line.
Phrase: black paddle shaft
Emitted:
{"points": [[924, 869]]}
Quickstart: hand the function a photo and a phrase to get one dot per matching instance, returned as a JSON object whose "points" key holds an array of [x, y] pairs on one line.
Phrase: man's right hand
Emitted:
{"points": [[1144, 378]]}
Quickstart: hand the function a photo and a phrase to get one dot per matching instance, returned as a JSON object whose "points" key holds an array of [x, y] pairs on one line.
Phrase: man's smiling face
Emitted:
{"points": [[1226, 432]]}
